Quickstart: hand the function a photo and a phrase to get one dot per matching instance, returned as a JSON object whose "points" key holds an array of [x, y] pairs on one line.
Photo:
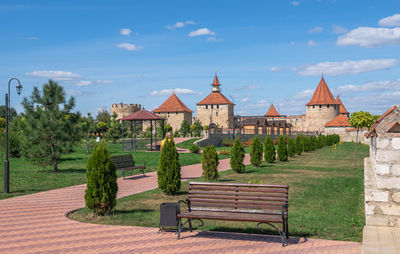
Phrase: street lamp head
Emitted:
{"points": [[19, 88]]}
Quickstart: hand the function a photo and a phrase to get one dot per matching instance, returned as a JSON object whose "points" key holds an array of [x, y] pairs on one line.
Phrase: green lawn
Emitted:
{"points": [[26, 177], [325, 198], [187, 144]]}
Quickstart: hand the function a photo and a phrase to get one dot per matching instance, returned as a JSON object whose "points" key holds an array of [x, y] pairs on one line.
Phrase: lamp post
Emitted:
{"points": [[6, 162]]}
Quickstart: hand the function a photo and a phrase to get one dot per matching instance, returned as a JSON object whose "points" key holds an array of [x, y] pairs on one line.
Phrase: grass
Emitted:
{"points": [[187, 144], [325, 198], [26, 177]]}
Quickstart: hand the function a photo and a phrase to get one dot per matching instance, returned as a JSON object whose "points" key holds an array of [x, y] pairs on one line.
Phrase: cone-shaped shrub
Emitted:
{"points": [[169, 169], [298, 144], [269, 150], [313, 143], [290, 147], [256, 152], [282, 151], [237, 157], [209, 163], [306, 144], [101, 187]]}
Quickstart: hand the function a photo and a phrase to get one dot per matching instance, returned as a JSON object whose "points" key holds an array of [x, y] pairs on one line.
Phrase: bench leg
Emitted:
{"points": [[179, 228], [190, 225], [123, 173], [287, 229], [284, 233]]}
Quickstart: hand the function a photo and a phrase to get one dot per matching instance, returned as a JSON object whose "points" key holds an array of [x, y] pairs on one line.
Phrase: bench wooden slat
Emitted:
{"points": [[125, 162], [241, 193], [239, 184], [242, 197], [231, 216]]}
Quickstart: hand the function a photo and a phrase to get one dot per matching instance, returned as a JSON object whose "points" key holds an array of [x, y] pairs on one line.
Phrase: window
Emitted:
{"points": [[212, 106], [320, 106], [176, 113], [168, 114], [217, 106], [216, 114], [313, 106], [206, 106], [328, 106]]}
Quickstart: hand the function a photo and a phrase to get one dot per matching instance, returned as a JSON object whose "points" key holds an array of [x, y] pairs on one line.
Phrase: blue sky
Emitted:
{"points": [[106, 52]]}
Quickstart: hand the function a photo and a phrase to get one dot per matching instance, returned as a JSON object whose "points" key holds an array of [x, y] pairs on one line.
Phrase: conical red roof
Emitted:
{"points": [[343, 110], [172, 104], [216, 81], [272, 111], [322, 95], [339, 121]]}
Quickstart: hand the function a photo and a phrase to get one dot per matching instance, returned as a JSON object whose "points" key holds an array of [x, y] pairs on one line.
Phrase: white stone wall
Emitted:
{"points": [[317, 116], [347, 135], [222, 115], [175, 119]]}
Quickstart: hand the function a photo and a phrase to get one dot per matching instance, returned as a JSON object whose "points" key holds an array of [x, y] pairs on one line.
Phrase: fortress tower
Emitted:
{"points": [[123, 110]]}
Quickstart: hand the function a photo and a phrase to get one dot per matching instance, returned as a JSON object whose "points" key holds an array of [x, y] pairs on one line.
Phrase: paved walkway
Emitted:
{"points": [[381, 240], [37, 223]]}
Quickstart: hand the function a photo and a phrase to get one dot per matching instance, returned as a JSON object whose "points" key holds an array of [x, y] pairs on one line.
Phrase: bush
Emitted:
{"points": [[256, 152], [228, 142], [313, 143], [282, 150], [290, 147], [237, 157], [298, 145], [247, 143], [209, 163], [224, 152], [269, 150], [194, 149], [169, 169], [101, 190]]}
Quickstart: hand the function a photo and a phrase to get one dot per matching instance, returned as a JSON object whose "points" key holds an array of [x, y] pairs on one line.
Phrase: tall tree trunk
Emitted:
{"points": [[355, 150], [53, 156]]}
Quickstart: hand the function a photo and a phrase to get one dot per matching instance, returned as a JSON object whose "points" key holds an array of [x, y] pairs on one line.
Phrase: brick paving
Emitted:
{"points": [[37, 223]]}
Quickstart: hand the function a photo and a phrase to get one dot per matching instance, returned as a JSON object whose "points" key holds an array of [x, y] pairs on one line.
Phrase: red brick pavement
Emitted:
{"points": [[37, 223]]}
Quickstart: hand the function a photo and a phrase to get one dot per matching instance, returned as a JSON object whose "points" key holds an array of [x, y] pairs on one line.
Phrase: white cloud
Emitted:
{"points": [[125, 31], [390, 21], [338, 29], [315, 30], [84, 83], [167, 92], [180, 24], [346, 67], [201, 31], [374, 86], [129, 47], [302, 95], [55, 75], [245, 99], [311, 43], [275, 69], [295, 3], [214, 39], [101, 81], [369, 37]]}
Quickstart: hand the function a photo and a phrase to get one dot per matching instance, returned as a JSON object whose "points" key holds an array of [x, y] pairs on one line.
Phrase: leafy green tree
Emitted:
{"points": [[114, 131], [102, 126], [101, 187], [290, 147], [269, 150], [196, 128], [103, 116], [88, 127], [237, 157], [209, 163], [360, 120], [298, 144], [256, 152], [169, 169], [185, 128], [282, 149], [12, 112], [50, 127]]}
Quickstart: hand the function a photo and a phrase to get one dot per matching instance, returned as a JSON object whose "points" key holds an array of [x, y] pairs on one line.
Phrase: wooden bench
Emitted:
{"points": [[126, 163], [262, 203]]}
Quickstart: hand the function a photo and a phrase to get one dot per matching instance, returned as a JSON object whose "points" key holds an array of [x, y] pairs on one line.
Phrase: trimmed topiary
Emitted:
{"points": [[269, 150], [237, 157], [282, 150], [313, 143], [209, 163], [194, 149], [298, 145], [256, 152], [101, 187], [169, 169], [290, 147]]}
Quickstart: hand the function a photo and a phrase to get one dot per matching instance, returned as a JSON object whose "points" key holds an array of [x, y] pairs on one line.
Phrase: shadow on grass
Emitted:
{"points": [[135, 177], [133, 211]]}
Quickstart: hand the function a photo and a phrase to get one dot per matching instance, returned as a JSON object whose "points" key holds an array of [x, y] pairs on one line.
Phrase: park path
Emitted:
{"points": [[37, 223]]}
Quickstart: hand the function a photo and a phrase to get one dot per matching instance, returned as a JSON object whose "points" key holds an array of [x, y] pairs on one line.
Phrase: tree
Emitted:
{"points": [[185, 128], [237, 157], [256, 152], [50, 127], [196, 128], [103, 116], [209, 163], [101, 187], [298, 144], [114, 132], [169, 169], [290, 147], [282, 150], [88, 128], [11, 110], [269, 150], [360, 120]]}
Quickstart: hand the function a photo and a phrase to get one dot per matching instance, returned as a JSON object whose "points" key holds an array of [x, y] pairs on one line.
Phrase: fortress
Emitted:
{"points": [[123, 110]]}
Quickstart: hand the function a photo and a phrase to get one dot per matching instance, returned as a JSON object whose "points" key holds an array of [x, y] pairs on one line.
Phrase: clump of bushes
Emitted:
{"points": [[228, 142], [298, 144], [224, 152], [247, 143], [101, 188], [209, 163], [269, 150], [194, 149], [256, 152], [169, 169], [237, 157], [290, 147], [282, 150]]}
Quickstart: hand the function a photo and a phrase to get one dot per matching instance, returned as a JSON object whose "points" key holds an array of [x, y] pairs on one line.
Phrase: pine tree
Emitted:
{"points": [[185, 128], [237, 157], [101, 187], [169, 169], [209, 163], [298, 144], [282, 150], [290, 147], [269, 150], [256, 152], [313, 143]]}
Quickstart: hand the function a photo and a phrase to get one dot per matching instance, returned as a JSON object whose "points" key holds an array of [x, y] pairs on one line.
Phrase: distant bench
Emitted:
{"points": [[126, 163], [260, 203]]}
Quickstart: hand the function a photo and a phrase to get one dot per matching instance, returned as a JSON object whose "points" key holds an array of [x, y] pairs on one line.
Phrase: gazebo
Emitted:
{"points": [[143, 116]]}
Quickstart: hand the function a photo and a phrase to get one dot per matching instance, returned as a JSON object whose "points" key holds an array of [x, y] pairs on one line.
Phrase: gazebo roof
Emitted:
{"points": [[142, 115]]}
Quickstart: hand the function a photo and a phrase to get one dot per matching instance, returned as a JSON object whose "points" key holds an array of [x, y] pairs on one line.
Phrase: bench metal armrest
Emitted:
{"points": [[187, 202], [284, 208]]}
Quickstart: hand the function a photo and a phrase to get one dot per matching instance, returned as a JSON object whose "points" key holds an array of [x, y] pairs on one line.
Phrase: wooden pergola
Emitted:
{"points": [[143, 116]]}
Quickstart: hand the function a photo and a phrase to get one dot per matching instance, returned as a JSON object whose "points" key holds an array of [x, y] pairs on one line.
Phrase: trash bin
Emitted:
{"points": [[168, 216]]}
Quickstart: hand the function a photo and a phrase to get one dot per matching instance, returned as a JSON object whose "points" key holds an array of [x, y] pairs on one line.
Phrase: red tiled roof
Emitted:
{"points": [[216, 81], [142, 115], [272, 111], [322, 95], [343, 109], [215, 98], [339, 121], [379, 120], [172, 104]]}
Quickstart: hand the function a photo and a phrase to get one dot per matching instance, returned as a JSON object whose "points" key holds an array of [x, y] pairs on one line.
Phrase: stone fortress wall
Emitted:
{"points": [[175, 119], [123, 110], [222, 115], [318, 115]]}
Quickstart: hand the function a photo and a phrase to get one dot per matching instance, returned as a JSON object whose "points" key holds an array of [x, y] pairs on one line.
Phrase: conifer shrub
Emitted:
{"points": [[209, 163], [313, 143], [256, 152], [169, 169], [298, 145], [290, 147], [194, 149], [282, 150], [237, 157], [269, 150], [101, 188]]}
